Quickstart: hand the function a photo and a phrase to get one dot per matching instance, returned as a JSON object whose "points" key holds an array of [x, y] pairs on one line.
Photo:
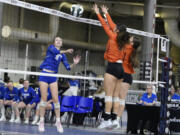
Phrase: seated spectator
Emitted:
{"points": [[74, 86], [100, 93], [178, 91], [27, 100], [11, 99], [49, 105], [20, 84], [148, 98], [173, 94], [2, 93]]}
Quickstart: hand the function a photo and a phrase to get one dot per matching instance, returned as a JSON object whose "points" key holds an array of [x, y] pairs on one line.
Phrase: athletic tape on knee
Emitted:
{"points": [[43, 104], [56, 105], [115, 99], [122, 101], [108, 98]]}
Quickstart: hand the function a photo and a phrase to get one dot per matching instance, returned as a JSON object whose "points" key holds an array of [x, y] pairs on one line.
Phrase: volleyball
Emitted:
{"points": [[77, 10]]}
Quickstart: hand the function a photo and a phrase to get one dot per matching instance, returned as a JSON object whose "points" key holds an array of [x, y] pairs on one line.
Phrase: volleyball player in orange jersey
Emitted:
{"points": [[114, 54], [129, 62]]}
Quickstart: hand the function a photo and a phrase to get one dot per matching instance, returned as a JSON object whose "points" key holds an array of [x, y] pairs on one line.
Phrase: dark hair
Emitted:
{"points": [[21, 81], [121, 28], [133, 58], [122, 36]]}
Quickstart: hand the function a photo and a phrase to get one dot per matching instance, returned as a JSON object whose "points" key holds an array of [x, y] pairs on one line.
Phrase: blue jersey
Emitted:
{"points": [[2, 92], [11, 94], [74, 83], [175, 97], [147, 99], [29, 96], [38, 97], [53, 59]]}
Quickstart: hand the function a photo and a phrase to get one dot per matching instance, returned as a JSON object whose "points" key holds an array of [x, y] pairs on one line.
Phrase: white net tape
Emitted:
{"points": [[71, 17], [67, 76]]}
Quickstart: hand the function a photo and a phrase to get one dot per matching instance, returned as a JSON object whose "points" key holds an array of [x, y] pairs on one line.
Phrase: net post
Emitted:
{"points": [[26, 61]]}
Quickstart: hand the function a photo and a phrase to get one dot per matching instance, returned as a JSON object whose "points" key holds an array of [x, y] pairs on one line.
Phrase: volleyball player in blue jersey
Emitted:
{"points": [[2, 93], [27, 99], [51, 65], [11, 98]]}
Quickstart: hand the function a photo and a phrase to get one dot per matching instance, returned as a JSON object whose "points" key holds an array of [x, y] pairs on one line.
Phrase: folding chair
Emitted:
{"points": [[68, 104], [85, 106]]}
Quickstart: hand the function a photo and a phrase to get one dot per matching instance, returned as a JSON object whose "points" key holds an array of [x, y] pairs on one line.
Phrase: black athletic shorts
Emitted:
{"points": [[127, 78], [115, 69]]}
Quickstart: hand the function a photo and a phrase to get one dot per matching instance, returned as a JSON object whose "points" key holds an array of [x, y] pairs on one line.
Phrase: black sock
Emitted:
{"points": [[107, 116], [113, 116]]}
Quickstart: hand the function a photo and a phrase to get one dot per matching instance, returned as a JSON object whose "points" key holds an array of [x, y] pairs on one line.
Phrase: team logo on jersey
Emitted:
{"points": [[58, 56], [25, 95]]}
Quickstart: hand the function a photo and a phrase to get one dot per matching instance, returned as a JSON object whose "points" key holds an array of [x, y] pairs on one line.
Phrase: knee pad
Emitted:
{"points": [[42, 103], [57, 105], [108, 98], [122, 101], [115, 99]]}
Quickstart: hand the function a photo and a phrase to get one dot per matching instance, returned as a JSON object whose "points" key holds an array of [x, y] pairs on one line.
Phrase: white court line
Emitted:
{"points": [[14, 133]]}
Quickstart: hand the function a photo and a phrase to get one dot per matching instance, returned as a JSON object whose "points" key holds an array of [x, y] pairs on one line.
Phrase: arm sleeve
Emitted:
{"points": [[112, 25], [38, 95], [53, 49], [65, 62], [106, 27], [20, 95], [6, 96], [143, 97], [16, 97], [2, 92], [33, 94], [155, 98], [37, 98]]}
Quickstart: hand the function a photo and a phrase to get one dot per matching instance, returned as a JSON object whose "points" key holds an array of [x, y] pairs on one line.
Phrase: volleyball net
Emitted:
{"points": [[28, 28]]}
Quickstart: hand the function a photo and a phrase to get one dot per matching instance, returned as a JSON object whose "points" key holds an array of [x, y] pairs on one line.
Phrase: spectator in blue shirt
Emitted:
{"points": [[27, 99], [74, 86], [148, 98], [173, 94], [11, 98], [178, 91], [2, 92]]}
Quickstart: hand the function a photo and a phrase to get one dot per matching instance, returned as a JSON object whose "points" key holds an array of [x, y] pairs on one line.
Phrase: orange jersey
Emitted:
{"points": [[127, 66], [112, 53], [111, 24]]}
